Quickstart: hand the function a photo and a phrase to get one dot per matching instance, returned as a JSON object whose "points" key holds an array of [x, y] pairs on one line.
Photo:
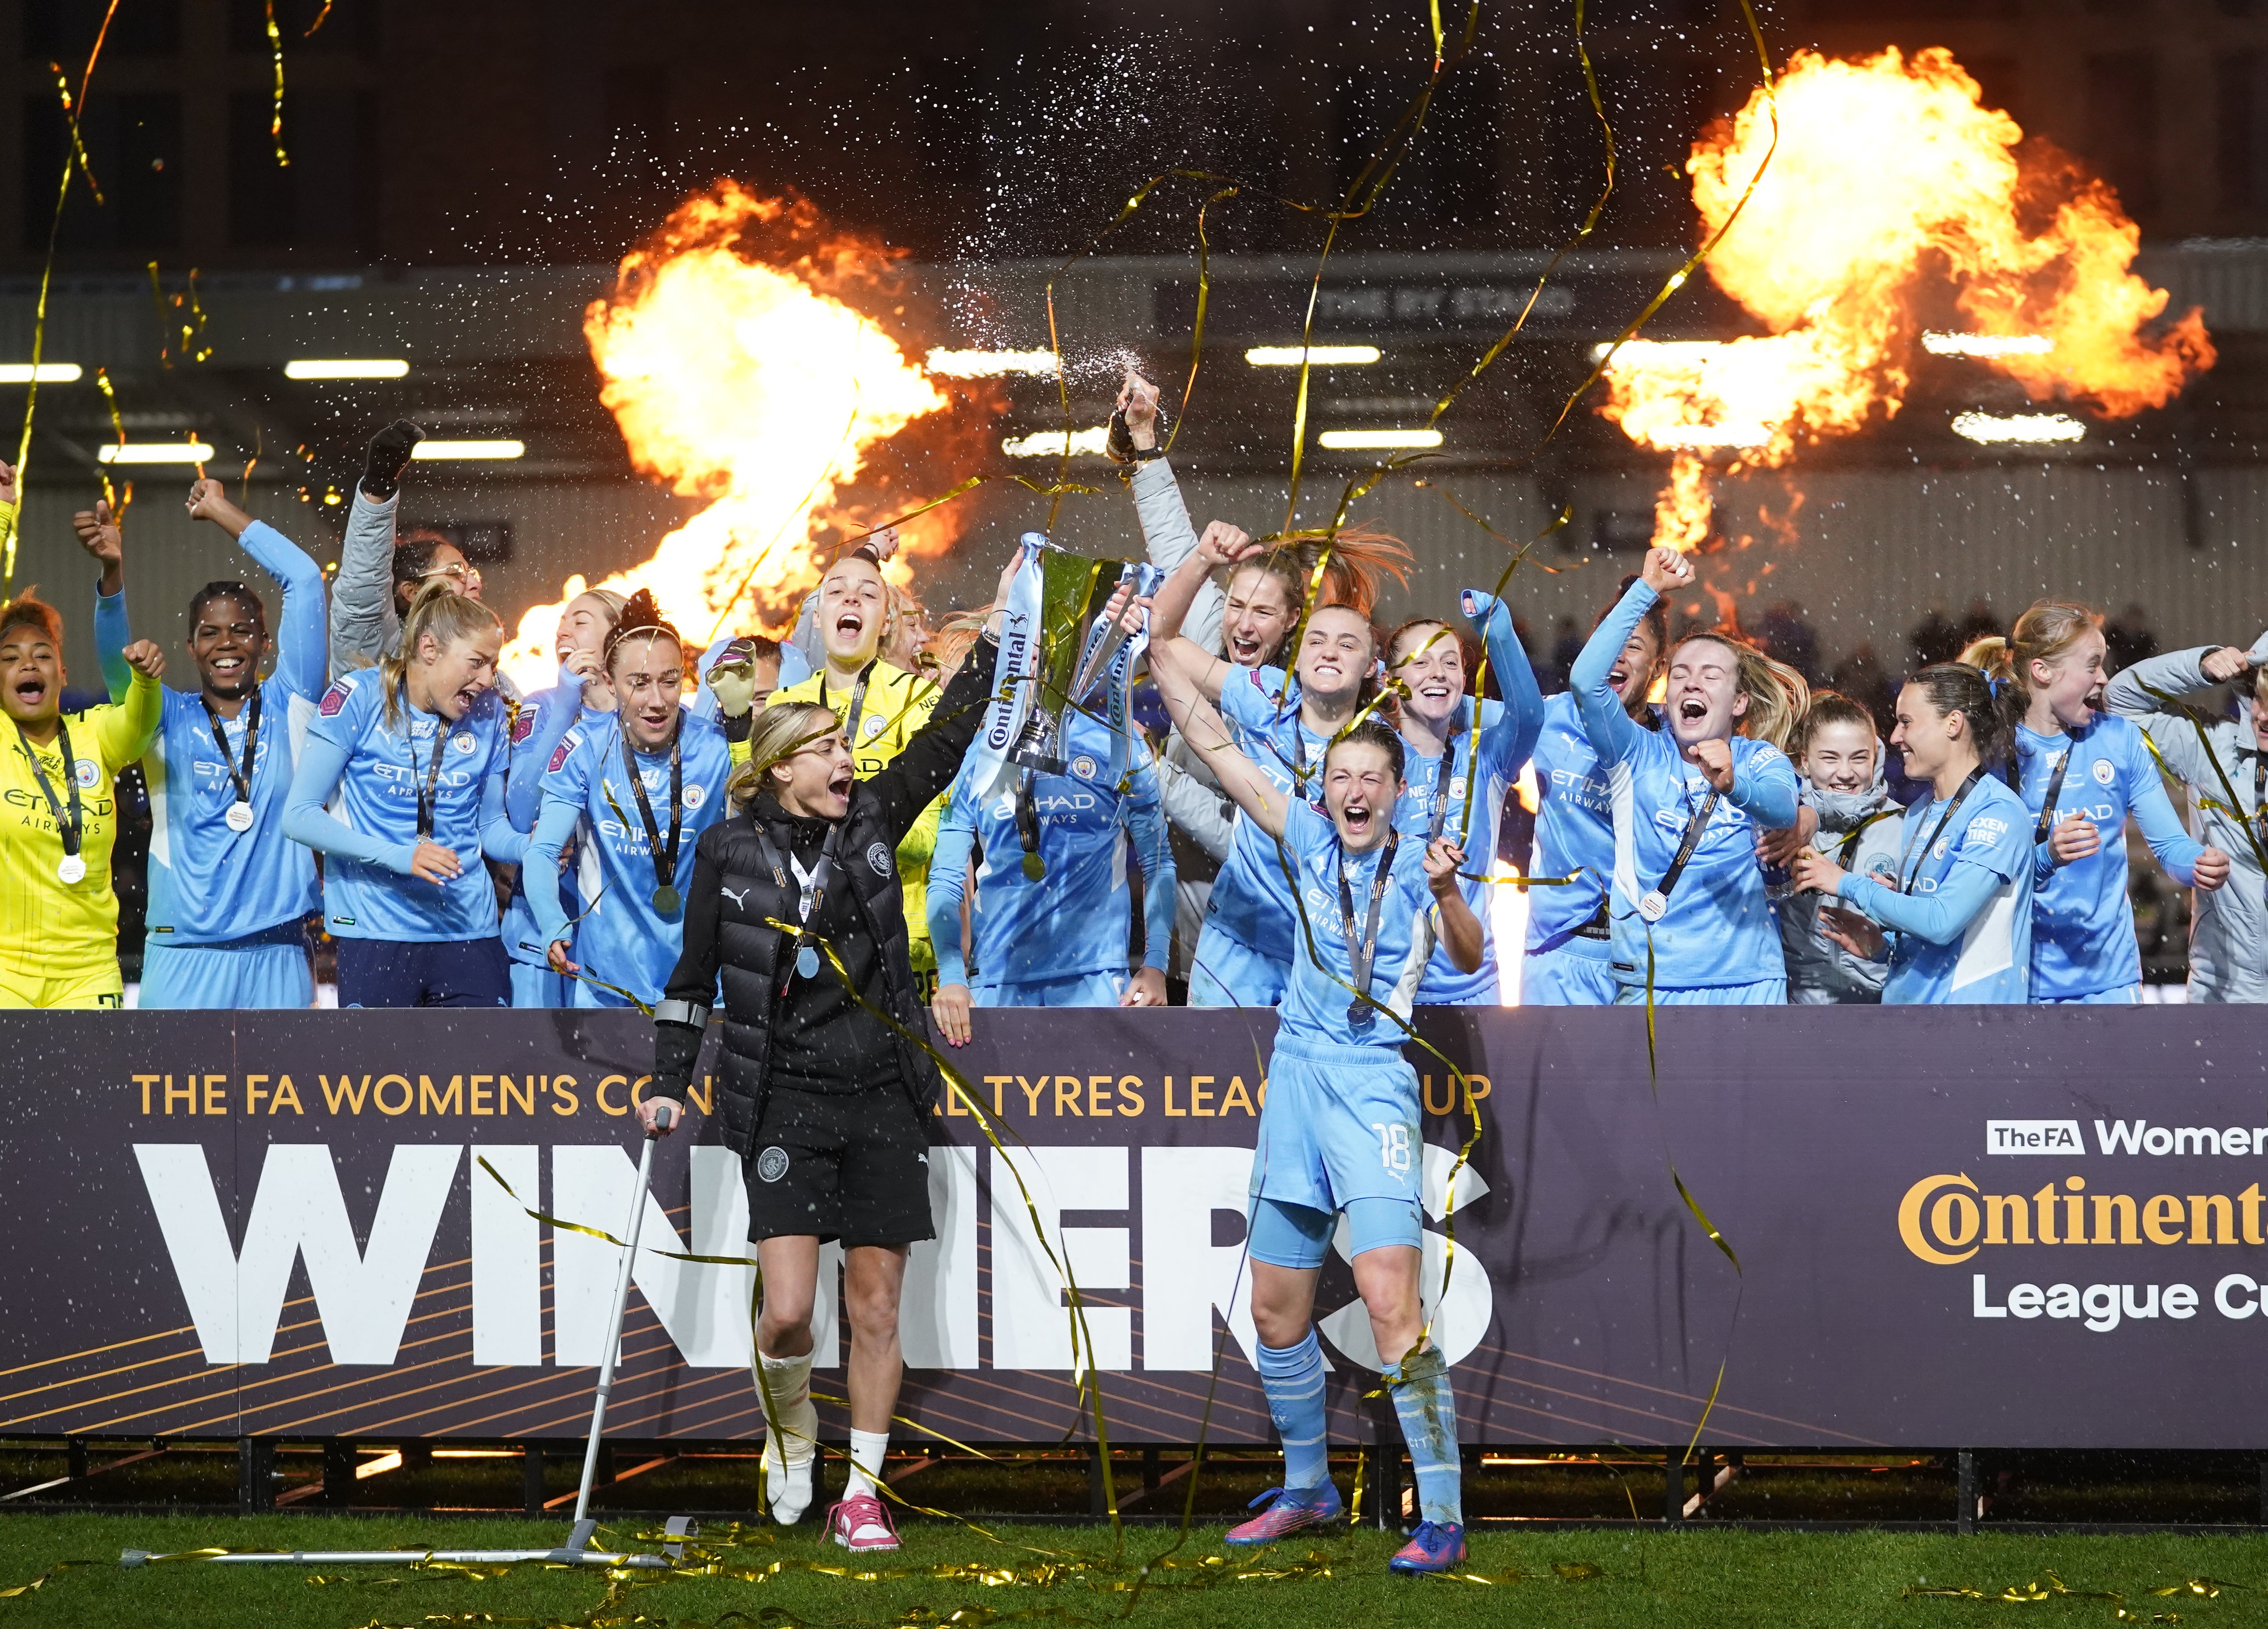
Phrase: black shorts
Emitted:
{"points": [[852, 1166]]}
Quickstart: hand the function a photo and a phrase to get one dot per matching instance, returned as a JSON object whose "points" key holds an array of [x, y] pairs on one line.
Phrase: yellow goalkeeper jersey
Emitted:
{"points": [[50, 929], [896, 705]]}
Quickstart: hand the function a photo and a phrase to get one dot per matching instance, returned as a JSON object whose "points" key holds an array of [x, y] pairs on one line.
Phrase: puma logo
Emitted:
{"points": [[740, 899]]}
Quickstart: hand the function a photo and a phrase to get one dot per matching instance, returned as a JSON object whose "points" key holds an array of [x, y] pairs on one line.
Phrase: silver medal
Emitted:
{"points": [[1655, 906], [73, 869], [806, 962], [239, 816]]}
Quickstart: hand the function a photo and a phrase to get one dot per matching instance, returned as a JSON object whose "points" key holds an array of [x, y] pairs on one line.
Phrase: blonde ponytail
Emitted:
{"points": [[1778, 694], [438, 610]]}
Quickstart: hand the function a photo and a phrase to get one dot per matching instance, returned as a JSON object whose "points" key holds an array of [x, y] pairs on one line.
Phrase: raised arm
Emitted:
{"points": [[363, 618], [2146, 693], [932, 757], [1764, 788], [300, 645], [1614, 736], [1510, 741], [1207, 735], [101, 536]]}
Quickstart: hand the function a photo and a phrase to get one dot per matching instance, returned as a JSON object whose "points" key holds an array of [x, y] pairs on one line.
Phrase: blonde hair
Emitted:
{"points": [[438, 610], [780, 732], [1779, 697], [2048, 631]]}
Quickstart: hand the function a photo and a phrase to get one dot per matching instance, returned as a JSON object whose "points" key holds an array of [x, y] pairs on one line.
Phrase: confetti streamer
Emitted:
{"points": [[276, 118], [73, 157]]}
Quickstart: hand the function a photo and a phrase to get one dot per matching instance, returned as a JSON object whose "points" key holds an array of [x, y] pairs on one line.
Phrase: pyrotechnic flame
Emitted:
{"points": [[1891, 185], [750, 384]]}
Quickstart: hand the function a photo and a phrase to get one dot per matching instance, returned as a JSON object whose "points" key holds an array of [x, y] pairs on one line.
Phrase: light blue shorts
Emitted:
{"points": [[1228, 972], [1763, 992], [533, 984], [2126, 995], [225, 978], [1079, 990], [1565, 976], [1293, 1235], [1340, 1123]]}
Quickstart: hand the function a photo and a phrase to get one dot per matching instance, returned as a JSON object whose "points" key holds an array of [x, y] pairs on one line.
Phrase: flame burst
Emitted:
{"points": [[1892, 187], [737, 374]]}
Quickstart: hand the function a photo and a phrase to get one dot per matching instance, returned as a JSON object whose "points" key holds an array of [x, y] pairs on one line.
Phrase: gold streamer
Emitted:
{"points": [[73, 156], [276, 118]]}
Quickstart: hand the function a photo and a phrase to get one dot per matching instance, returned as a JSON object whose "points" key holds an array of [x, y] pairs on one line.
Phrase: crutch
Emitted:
{"points": [[578, 1537], [576, 1551]]}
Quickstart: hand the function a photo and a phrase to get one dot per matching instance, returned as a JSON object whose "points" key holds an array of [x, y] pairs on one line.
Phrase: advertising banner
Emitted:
{"points": [[1953, 1227]]}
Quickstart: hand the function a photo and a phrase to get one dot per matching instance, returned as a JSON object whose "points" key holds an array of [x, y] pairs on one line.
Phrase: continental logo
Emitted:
{"points": [[1945, 1220]]}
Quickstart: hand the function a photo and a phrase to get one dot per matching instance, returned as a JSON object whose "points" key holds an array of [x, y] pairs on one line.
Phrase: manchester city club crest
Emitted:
{"points": [[1083, 767], [771, 1164], [877, 859]]}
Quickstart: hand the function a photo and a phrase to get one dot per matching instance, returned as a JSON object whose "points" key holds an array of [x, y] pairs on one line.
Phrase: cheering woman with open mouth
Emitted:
{"points": [[795, 900]]}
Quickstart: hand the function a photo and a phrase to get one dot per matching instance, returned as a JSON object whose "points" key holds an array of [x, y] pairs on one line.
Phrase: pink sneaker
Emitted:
{"points": [[860, 1523], [1288, 1511]]}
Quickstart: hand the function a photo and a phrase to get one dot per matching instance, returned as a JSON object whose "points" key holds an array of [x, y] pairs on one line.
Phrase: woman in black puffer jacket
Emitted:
{"points": [[823, 1099]]}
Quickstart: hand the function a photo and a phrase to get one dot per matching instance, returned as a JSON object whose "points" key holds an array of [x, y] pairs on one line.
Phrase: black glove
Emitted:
{"points": [[389, 456]]}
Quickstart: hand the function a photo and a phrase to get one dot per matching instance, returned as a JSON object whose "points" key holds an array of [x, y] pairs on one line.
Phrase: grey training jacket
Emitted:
{"points": [[2229, 927]]}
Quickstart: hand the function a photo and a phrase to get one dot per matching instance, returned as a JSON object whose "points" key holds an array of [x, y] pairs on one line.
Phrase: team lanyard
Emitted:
{"points": [[1027, 828], [73, 868], [1655, 905], [812, 886], [426, 804], [1360, 957], [1906, 881], [665, 900], [858, 703], [239, 813], [1849, 851]]}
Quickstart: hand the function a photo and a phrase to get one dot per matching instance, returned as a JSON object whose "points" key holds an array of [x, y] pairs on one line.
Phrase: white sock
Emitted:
{"points": [[867, 1448], [784, 1386]]}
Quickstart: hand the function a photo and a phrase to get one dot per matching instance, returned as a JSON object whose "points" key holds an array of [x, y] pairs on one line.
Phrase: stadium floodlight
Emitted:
{"points": [[1701, 436], [1366, 440], [1986, 346], [155, 452], [2018, 429], [989, 364], [469, 449], [46, 373], [1314, 356], [346, 368], [1054, 444]]}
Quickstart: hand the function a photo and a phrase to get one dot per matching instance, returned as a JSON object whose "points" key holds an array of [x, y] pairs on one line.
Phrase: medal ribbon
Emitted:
{"points": [[1359, 959], [1905, 880], [813, 888], [665, 865], [241, 780], [858, 702], [1694, 825], [73, 830], [425, 808]]}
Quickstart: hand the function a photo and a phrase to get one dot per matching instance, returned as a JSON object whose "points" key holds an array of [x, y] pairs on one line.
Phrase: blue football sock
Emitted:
{"points": [[1293, 1377], [1428, 1411]]}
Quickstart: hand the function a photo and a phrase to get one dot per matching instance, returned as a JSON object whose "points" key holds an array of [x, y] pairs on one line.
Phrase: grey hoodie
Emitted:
{"points": [[2228, 926], [1821, 972]]}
